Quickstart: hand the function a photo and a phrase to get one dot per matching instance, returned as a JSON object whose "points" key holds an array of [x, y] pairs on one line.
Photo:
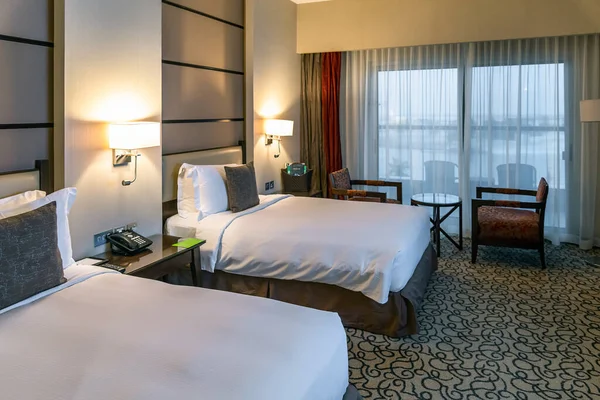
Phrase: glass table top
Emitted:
{"points": [[436, 199]]}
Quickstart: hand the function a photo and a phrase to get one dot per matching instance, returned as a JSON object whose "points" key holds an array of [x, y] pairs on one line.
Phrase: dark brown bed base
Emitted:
{"points": [[396, 318], [351, 393]]}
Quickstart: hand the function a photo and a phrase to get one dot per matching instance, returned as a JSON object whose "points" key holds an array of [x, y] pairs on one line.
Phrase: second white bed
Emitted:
{"points": [[370, 248], [109, 336]]}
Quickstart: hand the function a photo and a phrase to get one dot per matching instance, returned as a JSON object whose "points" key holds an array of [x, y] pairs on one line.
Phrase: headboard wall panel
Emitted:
{"points": [[190, 93], [25, 82], [231, 11], [203, 74], [20, 147], [27, 19], [26, 76], [206, 48], [188, 137]]}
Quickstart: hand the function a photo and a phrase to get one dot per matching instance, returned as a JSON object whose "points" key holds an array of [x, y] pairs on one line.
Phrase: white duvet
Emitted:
{"points": [[371, 248], [110, 336]]}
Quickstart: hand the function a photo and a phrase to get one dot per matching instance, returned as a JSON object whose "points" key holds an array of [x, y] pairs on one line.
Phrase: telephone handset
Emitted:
{"points": [[128, 242]]}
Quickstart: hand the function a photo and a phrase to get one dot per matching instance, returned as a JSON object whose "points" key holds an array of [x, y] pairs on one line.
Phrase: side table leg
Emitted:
{"points": [[437, 229], [193, 268], [460, 226]]}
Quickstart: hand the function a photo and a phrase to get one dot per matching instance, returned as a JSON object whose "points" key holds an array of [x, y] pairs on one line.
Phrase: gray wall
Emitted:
{"points": [[26, 51], [203, 74]]}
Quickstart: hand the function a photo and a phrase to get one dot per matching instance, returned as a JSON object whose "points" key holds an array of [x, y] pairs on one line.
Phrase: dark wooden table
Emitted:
{"points": [[437, 201], [158, 260]]}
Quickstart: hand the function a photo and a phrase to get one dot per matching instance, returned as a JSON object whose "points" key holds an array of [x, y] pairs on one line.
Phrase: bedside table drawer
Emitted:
{"points": [[158, 270]]}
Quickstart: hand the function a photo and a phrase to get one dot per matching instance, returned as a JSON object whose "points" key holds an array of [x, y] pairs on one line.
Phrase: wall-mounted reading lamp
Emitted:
{"points": [[275, 128], [127, 137]]}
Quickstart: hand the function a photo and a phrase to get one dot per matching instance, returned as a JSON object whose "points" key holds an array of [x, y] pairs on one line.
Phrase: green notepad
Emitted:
{"points": [[187, 243]]}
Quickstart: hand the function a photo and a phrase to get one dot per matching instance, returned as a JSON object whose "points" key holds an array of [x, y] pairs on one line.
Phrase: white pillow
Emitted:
{"points": [[188, 201], [19, 199], [212, 189], [201, 190], [64, 201]]}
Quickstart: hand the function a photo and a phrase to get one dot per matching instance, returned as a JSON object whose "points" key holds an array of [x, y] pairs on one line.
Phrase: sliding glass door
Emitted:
{"points": [[418, 132], [515, 129], [489, 121], [449, 118]]}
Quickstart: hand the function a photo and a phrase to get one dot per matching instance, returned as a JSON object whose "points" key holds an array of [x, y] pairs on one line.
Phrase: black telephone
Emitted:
{"points": [[128, 242]]}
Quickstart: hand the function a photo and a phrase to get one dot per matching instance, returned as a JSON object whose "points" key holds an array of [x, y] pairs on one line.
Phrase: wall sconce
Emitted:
{"points": [[127, 137], [275, 128]]}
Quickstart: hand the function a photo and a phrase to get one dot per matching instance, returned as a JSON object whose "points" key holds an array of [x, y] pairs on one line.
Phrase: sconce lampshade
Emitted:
{"points": [[133, 135], [279, 127], [590, 110]]}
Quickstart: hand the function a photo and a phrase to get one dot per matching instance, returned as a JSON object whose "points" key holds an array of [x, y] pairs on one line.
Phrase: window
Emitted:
{"points": [[514, 130], [418, 123]]}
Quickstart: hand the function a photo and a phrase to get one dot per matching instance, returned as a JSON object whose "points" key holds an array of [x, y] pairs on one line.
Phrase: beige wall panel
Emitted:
{"points": [[112, 72], [367, 24], [20, 148], [229, 10], [194, 39], [27, 19], [276, 86], [191, 137], [191, 93], [25, 83]]}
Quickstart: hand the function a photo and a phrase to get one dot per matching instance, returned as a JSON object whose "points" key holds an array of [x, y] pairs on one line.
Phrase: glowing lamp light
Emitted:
{"points": [[127, 137]]}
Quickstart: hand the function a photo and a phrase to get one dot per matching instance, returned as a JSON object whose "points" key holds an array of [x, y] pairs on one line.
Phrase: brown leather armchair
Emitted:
{"points": [[510, 223], [341, 188]]}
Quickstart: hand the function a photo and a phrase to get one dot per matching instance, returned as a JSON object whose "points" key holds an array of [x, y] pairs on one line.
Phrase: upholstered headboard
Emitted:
{"points": [[14, 182], [171, 164]]}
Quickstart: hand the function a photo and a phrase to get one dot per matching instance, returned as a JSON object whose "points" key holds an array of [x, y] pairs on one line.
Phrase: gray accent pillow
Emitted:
{"points": [[29, 257], [242, 192]]}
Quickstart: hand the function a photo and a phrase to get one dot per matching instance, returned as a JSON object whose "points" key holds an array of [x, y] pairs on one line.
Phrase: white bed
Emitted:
{"points": [[104, 335], [370, 248]]}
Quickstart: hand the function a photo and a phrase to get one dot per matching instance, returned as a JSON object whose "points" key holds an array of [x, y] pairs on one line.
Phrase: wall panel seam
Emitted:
{"points": [[198, 12], [27, 126], [212, 148], [204, 67], [22, 40], [200, 121]]}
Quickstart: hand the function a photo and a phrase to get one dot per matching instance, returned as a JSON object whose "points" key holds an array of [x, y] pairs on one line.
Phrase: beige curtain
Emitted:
{"points": [[311, 122]]}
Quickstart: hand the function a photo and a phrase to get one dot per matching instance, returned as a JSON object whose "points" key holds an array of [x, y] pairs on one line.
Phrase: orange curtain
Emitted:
{"points": [[330, 106]]}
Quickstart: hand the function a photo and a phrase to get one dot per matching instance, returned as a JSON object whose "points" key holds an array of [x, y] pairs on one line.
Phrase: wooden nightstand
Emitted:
{"points": [[158, 260]]}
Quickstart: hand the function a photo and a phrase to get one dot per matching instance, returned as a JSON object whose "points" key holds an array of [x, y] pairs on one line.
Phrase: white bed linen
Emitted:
{"points": [[112, 336], [371, 248]]}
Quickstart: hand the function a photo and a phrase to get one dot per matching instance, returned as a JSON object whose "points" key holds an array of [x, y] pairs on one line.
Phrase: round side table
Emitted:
{"points": [[437, 201]]}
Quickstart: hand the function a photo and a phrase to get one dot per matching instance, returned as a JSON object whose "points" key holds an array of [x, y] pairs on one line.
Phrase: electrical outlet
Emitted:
{"points": [[272, 185], [100, 238], [266, 186]]}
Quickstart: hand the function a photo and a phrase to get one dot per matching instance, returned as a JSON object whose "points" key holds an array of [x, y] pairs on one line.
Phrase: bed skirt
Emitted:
{"points": [[352, 393], [396, 318]]}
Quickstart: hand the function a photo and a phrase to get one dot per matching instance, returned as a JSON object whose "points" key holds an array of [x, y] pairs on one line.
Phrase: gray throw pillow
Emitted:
{"points": [[29, 257], [242, 192]]}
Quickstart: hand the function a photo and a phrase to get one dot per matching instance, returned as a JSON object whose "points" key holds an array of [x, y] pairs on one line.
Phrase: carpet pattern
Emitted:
{"points": [[499, 329]]}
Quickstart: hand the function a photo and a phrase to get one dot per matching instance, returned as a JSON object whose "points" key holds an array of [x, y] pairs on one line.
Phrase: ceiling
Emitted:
{"points": [[308, 1]]}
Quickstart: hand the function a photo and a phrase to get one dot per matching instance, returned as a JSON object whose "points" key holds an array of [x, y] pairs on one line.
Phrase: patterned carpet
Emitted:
{"points": [[500, 329]]}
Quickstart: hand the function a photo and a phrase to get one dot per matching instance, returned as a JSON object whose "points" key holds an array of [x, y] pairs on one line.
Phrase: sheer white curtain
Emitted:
{"points": [[449, 118], [401, 116]]}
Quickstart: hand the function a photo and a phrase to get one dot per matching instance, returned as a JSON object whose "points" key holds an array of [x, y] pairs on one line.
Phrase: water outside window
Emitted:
{"points": [[515, 128]]}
